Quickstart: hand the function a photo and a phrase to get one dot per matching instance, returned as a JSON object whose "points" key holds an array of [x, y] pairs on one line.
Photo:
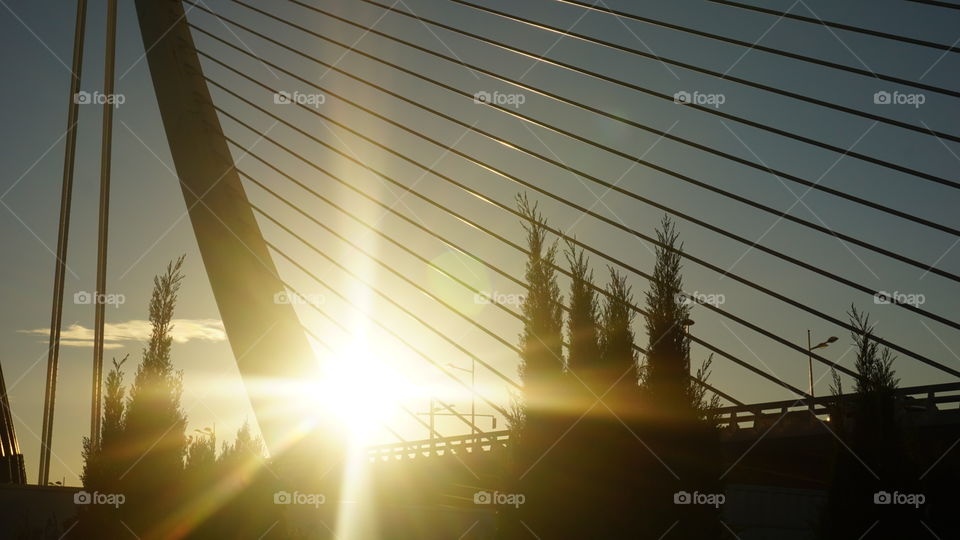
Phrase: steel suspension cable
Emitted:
{"points": [[936, 3], [604, 8], [398, 305], [839, 26], [424, 229], [581, 208], [63, 234], [386, 328], [423, 259], [666, 97], [562, 235], [611, 186], [552, 231], [664, 134], [103, 226], [709, 72], [512, 347]]}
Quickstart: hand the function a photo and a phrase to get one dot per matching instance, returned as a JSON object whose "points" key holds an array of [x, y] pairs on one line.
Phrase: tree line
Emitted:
{"points": [[609, 443], [610, 439], [145, 477]]}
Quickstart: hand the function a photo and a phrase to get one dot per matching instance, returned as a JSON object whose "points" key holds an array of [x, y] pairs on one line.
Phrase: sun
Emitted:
{"points": [[361, 390]]}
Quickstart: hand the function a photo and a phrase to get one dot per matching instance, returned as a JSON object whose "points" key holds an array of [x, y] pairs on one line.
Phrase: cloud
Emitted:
{"points": [[116, 335]]}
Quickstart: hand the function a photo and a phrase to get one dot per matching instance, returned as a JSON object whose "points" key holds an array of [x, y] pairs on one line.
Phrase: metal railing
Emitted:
{"points": [[462, 444], [927, 397], [758, 415]]}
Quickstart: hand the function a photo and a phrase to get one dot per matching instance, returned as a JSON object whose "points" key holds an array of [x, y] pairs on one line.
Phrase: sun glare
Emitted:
{"points": [[361, 390]]}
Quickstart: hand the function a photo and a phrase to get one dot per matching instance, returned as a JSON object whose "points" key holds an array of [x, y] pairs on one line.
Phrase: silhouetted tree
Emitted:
{"points": [[583, 326], [541, 371], [681, 434], [155, 425], [874, 456], [102, 464]]}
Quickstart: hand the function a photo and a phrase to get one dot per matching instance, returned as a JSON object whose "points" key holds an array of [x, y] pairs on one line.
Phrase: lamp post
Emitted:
{"points": [[473, 392], [810, 350]]}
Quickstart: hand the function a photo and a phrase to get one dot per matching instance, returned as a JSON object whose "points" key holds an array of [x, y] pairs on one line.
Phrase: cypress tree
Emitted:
{"points": [[677, 426], [874, 456], [541, 372], [154, 424]]}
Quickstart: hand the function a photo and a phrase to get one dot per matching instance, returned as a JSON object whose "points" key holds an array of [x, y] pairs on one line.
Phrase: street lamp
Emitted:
{"points": [[473, 392], [810, 350]]}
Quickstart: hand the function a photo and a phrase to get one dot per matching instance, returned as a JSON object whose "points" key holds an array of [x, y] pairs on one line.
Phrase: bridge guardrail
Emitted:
{"points": [[480, 442], [928, 397]]}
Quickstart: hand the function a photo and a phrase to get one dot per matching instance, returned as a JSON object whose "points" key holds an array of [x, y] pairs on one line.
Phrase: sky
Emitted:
{"points": [[149, 225]]}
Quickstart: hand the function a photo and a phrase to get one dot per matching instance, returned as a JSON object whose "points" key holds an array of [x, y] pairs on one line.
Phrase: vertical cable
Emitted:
{"points": [[106, 147], [53, 352]]}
